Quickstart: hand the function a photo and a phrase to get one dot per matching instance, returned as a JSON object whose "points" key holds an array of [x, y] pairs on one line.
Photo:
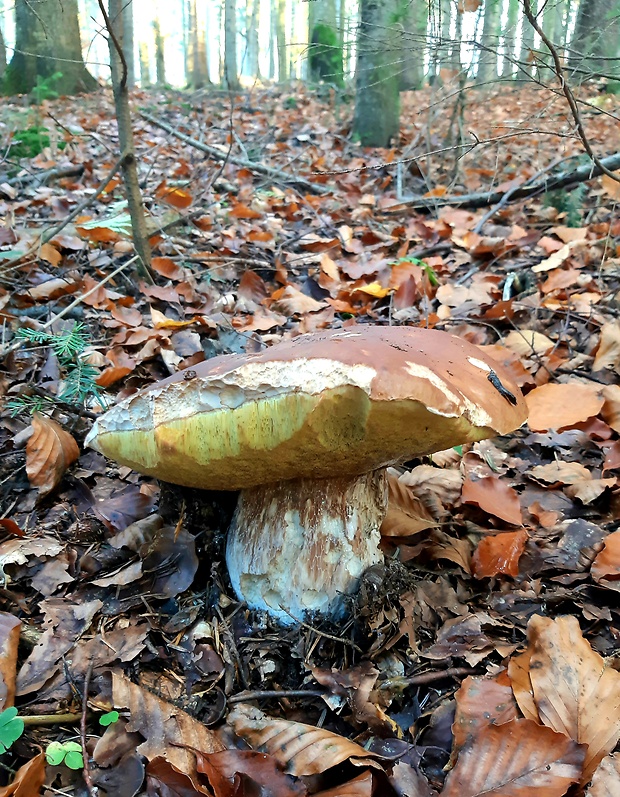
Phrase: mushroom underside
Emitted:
{"points": [[299, 547]]}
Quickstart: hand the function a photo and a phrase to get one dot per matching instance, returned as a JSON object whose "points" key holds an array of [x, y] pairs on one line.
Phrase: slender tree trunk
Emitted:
{"points": [[510, 37], [447, 45], [145, 67], [272, 39], [526, 59], [199, 74], [47, 43], [128, 43], [160, 60], [414, 43], [231, 73], [252, 38], [281, 40], [376, 120], [125, 135], [487, 64], [596, 38]]}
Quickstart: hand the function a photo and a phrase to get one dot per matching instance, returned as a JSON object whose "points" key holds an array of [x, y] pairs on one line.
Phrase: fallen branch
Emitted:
{"points": [[567, 180], [40, 178], [218, 154]]}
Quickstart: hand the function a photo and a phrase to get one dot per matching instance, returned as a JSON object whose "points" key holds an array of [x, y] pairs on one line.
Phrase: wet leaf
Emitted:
{"points": [[49, 452], [499, 553]]}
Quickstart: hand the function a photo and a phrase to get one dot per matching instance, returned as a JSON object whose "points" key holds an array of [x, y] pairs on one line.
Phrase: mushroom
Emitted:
{"points": [[305, 430]]}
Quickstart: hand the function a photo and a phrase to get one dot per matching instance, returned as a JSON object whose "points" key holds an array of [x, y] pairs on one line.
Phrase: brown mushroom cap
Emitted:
{"points": [[327, 404]]}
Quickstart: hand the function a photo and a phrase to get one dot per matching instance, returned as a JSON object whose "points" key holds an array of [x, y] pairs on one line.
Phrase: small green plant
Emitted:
{"points": [[290, 103], [109, 719], [78, 376], [11, 728], [31, 141], [44, 88], [67, 753], [568, 202], [428, 270]]}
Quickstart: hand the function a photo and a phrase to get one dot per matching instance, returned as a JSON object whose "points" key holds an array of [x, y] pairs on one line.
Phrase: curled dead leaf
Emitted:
{"points": [[499, 553], [606, 567], [557, 406], [49, 452]]}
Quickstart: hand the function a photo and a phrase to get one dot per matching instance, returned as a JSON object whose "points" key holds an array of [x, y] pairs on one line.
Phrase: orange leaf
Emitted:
{"points": [[10, 628], [167, 268], [50, 253], [481, 702], [406, 514], [495, 497], [29, 779], [517, 759], [606, 567], [49, 452], [177, 197], [554, 406], [241, 211], [499, 553]]}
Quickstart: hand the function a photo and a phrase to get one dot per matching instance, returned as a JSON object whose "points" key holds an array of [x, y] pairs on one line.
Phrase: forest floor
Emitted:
{"points": [[484, 658]]}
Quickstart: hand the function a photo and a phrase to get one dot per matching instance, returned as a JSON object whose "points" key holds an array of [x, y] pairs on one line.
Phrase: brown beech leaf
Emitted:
{"points": [[559, 473], [606, 780], [298, 748], [29, 779], [517, 759], [611, 408], [528, 342], [49, 452], [519, 674], [554, 406], [499, 553], [606, 567], [224, 769], [167, 268], [168, 730], [10, 628], [574, 691], [407, 513], [495, 497], [608, 353], [481, 702], [361, 786]]}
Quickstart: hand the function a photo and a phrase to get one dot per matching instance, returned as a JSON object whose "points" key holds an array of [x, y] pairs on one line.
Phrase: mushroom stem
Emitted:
{"points": [[298, 547]]}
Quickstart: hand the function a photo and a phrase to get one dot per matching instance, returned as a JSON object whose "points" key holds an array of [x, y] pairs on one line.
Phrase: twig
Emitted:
{"points": [[58, 172], [50, 719], [439, 675], [274, 694], [570, 97], [19, 343], [86, 771], [268, 171]]}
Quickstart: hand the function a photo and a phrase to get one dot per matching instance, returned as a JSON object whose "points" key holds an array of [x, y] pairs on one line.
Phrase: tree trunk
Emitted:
{"points": [[487, 64], [281, 40], [272, 39], [145, 67], [252, 38], [447, 45], [199, 73], [160, 61], [47, 44], [510, 37], [376, 120], [128, 44], [125, 136], [231, 73], [596, 38], [325, 42], [526, 59], [414, 26]]}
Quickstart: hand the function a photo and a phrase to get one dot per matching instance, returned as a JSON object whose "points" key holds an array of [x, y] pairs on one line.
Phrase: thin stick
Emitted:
{"points": [[271, 694], [19, 343], [50, 719], [90, 786], [268, 171]]}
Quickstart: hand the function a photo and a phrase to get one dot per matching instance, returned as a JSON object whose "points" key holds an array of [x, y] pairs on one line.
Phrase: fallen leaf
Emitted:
{"points": [[10, 628], [49, 452], [611, 408], [558, 406], [299, 749], [527, 342], [291, 301], [495, 497], [169, 731], [406, 513], [517, 759], [574, 691], [606, 567], [499, 553], [606, 779], [560, 473], [223, 770], [28, 780], [608, 352], [167, 268], [480, 702], [557, 258]]}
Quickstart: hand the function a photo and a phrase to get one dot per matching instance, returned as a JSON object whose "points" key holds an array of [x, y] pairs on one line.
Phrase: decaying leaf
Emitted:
{"points": [[527, 342], [49, 452], [10, 628], [407, 513], [606, 567], [299, 749], [517, 759], [169, 731], [606, 779], [495, 497], [481, 702], [608, 352], [575, 693], [28, 780]]}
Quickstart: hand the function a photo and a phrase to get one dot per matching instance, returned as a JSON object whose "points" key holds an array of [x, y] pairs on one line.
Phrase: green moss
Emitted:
{"points": [[326, 55], [30, 142]]}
